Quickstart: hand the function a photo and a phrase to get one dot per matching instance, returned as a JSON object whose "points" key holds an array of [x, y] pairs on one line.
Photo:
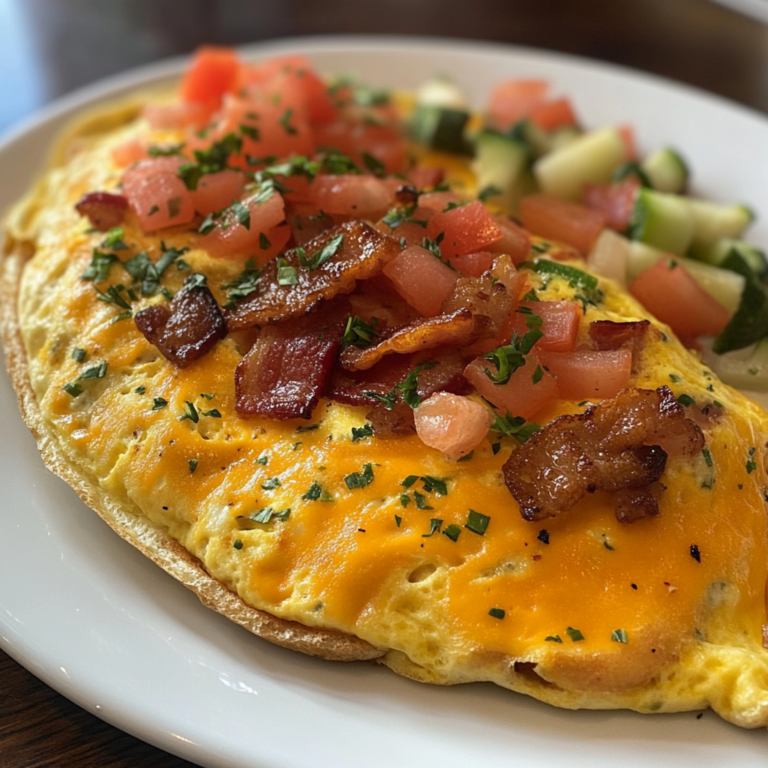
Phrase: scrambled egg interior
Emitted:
{"points": [[661, 615]]}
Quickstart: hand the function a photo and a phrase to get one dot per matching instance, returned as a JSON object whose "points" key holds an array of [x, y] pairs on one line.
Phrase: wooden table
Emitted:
{"points": [[71, 42]]}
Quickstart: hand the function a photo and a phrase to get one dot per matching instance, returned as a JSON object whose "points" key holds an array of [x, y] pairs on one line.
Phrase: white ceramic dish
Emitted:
{"points": [[100, 623]]}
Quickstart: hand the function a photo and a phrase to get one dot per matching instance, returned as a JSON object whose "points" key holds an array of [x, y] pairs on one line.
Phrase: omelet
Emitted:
{"points": [[320, 535]]}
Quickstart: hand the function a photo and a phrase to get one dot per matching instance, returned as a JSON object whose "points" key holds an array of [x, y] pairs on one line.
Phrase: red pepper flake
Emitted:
{"points": [[537, 557]]}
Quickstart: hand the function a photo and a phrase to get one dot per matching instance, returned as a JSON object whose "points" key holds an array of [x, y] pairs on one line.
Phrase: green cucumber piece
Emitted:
{"points": [[630, 170], [562, 137], [745, 373], [713, 221], [588, 159], [666, 170], [725, 286], [717, 252], [661, 220], [537, 140], [750, 322], [442, 92], [440, 128], [502, 164]]}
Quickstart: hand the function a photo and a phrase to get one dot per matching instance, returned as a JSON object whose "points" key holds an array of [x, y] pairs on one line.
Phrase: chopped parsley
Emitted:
{"points": [[191, 413], [574, 634], [373, 164], [238, 544], [497, 613], [421, 500], [477, 522], [271, 483], [619, 636], [358, 333], [159, 402], [97, 371], [241, 214], [407, 389], [514, 426], [751, 464], [324, 254], [707, 456], [213, 413], [192, 466], [73, 389], [98, 270], [285, 122], [263, 241], [452, 532], [316, 493], [245, 284], [265, 515], [78, 354], [685, 400], [263, 458], [358, 433], [211, 160], [360, 479], [695, 553], [140, 390], [286, 274], [468, 457], [509, 357], [434, 527], [553, 639]]}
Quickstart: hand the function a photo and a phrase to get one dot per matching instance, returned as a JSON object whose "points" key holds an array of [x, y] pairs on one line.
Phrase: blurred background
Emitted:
{"points": [[50, 47]]}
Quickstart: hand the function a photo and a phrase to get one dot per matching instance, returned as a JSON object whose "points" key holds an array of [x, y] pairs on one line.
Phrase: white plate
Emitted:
{"points": [[97, 621]]}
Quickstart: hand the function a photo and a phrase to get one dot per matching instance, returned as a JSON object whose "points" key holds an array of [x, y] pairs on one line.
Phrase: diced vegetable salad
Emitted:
{"points": [[272, 152]]}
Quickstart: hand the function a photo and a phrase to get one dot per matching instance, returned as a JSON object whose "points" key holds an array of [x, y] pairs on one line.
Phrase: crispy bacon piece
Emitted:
{"points": [[455, 329], [609, 335], [187, 328], [488, 301], [634, 504], [363, 253], [103, 209], [289, 367], [382, 378], [619, 445]]}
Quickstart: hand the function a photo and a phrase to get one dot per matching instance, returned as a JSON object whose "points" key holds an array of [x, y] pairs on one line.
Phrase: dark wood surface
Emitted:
{"points": [[49, 47]]}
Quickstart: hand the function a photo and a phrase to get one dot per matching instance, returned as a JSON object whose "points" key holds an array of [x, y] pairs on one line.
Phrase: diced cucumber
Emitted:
{"points": [[726, 287], [717, 252], [591, 158], [661, 220], [562, 137], [609, 256], [745, 373], [501, 164], [750, 322], [630, 170], [712, 222], [440, 128], [442, 92], [538, 141], [666, 170]]}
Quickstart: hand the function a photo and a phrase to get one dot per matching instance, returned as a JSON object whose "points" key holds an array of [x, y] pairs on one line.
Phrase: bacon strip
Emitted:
{"points": [[455, 329], [187, 328], [104, 210], [363, 253], [621, 444], [289, 367], [609, 335]]}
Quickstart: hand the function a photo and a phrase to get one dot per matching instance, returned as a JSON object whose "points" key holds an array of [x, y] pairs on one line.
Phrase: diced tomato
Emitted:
{"points": [[560, 324], [520, 396], [627, 133], [278, 238], [129, 152], [297, 189], [425, 178], [414, 231], [452, 424], [439, 201], [355, 195], [266, 129], [466, 229], [554, 113], [670, 293], [557, 219], [233, 239], [473, 264], [212, 73], [515, 241], [513, 100], [168, 117], [421, 279], [305, 224], [588, 374], [157, 195], [216, 191], [358, 139], [615, 200]]}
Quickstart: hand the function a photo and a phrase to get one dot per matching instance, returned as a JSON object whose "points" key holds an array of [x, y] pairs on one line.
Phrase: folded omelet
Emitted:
{"points": [[322, 537]]}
